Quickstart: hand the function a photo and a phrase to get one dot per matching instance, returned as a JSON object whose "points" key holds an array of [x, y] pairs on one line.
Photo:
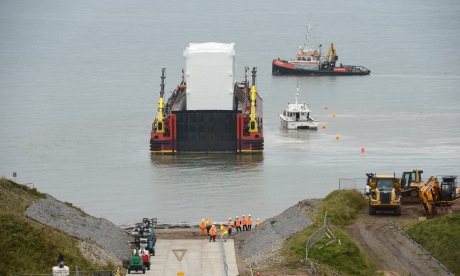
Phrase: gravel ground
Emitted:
{"points": [[99, 237], [259, 247], [393, 252]]}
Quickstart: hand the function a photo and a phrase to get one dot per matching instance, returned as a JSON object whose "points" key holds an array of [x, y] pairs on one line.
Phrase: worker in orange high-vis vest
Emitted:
{"points": [[237, 224], [244, 221], [208, 225], [223, 232], [202, 228], [212, 233], [249, 222], [230, 226], [259, 222]]}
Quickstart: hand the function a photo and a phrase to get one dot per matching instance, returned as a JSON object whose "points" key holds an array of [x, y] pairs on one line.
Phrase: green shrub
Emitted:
{"points": [[342, 206]]}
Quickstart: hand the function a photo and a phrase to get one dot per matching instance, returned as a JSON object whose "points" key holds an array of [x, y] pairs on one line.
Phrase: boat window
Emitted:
{"points": [[308, 58], [299, 58], [303, 58]]}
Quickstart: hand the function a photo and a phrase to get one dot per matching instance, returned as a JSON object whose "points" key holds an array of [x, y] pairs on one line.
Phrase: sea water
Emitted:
{"points": [[80, 81]]}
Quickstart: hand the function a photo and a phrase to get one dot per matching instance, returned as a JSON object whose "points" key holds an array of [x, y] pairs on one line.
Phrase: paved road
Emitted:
{"points": [[201, 258]]}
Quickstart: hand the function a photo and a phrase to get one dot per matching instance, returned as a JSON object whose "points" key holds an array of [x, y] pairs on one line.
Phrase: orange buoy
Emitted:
{"points": [[333, 114], [324, 126], [362, 150], [337, 137]]}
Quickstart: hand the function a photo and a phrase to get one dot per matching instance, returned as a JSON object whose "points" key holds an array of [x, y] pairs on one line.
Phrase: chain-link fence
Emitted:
{"points": [[314, 268], [315, 237], [353, 183], [77, 273]]}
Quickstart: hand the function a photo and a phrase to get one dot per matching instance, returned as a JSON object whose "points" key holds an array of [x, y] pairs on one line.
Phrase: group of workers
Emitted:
{"points": [[243, 224]]}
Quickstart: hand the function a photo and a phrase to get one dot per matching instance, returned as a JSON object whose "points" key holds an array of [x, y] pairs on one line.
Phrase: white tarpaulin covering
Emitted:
{"points": [[209, 73]]}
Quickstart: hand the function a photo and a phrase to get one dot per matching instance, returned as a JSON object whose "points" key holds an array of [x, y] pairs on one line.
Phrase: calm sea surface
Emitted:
{"points": [[80, 80]]}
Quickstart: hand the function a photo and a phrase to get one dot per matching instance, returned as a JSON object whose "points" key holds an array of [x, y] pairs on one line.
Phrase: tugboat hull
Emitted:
{"points": [[281, 67]]}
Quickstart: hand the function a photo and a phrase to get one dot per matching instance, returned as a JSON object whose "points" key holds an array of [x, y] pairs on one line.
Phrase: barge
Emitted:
{"points": [[209, 112]]}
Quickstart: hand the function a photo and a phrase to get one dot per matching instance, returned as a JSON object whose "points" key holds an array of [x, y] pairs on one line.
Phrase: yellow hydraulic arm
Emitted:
{"points": [[253, 126], [331, 55], [159, 128], [429, 194]]}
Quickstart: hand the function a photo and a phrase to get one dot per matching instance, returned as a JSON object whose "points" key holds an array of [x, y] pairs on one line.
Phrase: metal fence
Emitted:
{"points": [[352, 183], [223, 259], [77, 273], [315, 237], [313, 267]]}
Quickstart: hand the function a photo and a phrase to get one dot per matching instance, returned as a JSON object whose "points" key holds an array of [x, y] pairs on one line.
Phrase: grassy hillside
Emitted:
{"points": [[441, 237], [26, 246], [344, 256]]}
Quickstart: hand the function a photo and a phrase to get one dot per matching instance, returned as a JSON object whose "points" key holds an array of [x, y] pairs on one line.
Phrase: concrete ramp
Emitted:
{"points": [[201, 258]]}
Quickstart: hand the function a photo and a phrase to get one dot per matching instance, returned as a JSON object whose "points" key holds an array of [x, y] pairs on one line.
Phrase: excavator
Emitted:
{"points": [[412, 183], [384, 194], [435, 194]]}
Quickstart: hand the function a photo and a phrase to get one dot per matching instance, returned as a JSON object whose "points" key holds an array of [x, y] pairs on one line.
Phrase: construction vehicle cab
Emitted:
{"points": [[436, 194], [449, 189], [411, 184], [384, 194]]}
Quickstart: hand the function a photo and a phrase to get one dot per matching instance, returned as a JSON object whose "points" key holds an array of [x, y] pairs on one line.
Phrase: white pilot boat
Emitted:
{"points": [[297, 116]]}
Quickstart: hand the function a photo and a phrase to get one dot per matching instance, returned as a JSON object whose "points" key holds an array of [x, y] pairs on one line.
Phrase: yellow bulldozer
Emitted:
{"points": [[384, 193], [412, 183]]}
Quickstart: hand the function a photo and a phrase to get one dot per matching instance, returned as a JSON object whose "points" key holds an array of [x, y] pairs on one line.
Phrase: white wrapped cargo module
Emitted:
{"points": [[209, 73]]}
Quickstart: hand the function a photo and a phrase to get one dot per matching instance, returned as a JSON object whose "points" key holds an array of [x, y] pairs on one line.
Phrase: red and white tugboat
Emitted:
{"points": [[208, 111], [311, 62]]}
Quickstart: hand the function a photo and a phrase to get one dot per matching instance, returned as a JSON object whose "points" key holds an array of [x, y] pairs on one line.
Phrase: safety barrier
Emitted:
{"points": [[223, 259], [352, 183], [418, 248], [77, 273], [315, 237], [313, 267]]}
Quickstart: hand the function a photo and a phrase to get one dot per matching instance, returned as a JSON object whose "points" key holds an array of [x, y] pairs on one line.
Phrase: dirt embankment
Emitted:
{"points": [[382, 237]]}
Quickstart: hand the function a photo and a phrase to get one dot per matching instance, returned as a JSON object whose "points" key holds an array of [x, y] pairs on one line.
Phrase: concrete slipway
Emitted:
{"points": [[201, 258]]}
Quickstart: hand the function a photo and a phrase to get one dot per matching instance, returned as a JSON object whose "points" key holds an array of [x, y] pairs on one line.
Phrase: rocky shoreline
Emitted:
{"points": [[100, 240]]}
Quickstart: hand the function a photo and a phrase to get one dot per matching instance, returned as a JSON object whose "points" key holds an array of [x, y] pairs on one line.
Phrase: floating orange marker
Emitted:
{"points": [[333, 114], [324, 126], [362, 150], [337, 137]]}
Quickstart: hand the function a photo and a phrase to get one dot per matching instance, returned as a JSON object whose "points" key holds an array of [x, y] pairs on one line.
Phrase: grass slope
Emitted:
{"points": [[28, 247], [441, 237], [345, 256]]}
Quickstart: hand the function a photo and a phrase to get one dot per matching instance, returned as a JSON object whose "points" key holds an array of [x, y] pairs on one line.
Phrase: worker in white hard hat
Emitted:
{"points": [[244, 221], [202, 228], [237, 224]]}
